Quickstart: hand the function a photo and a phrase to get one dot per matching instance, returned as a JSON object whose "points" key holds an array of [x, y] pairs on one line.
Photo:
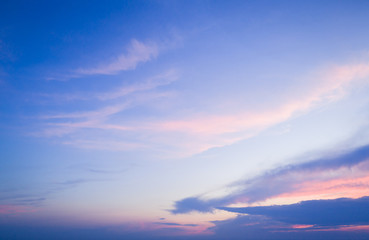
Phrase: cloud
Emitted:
{"points": [[324, 178], [22, 199], [151, 83], [139, 93], [343, 211], [72, 183], [67, 123], [176, 224], [259, 227], [91, 115], [137, 52], [109, 172], [14, 209], [122, 91], [101, 144], [201, 130], [75, 182], [191, 204], [12, 197]]}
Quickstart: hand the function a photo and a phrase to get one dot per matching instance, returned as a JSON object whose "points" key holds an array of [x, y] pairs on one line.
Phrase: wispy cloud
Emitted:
{"points": [[68, 123], [15, 209], [137, 52], [101, 144], [348, 170], [113, 103], [25, 200], [120, 91], [96, 114], [176, 224], [202, 130], [151, 83], [211, 130], [98, 170]]}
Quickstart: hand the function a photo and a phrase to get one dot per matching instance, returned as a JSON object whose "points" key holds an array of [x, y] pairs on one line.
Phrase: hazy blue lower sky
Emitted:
{"points": [[184, 120]]}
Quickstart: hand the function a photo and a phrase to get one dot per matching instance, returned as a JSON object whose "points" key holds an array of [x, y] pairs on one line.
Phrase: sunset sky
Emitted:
{"points": [[184, 119]]}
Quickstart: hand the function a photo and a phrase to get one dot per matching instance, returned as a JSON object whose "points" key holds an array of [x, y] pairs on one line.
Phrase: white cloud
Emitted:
{"points": [[151, 83], [65, 124], [138, 52], [146, 85], [97, 114], [201, 131]]}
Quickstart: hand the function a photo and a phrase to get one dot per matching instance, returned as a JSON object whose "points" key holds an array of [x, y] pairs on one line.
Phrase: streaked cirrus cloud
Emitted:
{"points": [[200, 131], [137, 52]]}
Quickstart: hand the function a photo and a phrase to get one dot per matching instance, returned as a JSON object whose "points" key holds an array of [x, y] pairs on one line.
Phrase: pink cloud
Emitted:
{"points": [[201, 131], [336, 188], [344, 182], [329, 86], [205, 131], [300, 226]]}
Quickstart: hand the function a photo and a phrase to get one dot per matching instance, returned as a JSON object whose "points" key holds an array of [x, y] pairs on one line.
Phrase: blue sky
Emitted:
{"points": [[183, 119]]}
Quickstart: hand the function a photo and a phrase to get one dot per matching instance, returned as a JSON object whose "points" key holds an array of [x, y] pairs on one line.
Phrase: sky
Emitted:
{"points": [[184, 119]]}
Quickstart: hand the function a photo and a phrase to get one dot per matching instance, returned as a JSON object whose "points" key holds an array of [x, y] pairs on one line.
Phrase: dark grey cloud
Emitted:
{"points": [[256, 227], [275, 182], [192, 204], [334, 212]]}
